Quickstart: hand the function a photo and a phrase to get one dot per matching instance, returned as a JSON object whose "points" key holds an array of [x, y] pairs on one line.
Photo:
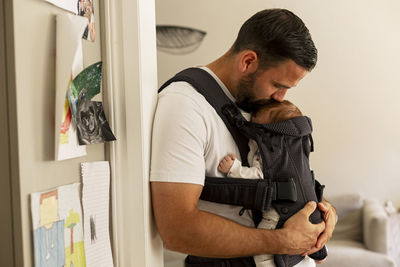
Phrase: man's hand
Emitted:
{"points": [[301, 235], [329, 216]]}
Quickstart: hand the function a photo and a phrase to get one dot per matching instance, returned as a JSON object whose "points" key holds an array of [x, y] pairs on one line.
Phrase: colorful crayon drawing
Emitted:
{"points": [[75, 252], [65, 124], [58, 230], [49, 236]]}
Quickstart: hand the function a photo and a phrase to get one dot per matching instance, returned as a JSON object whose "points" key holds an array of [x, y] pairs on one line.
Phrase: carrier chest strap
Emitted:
{"points": [[206, 85]]}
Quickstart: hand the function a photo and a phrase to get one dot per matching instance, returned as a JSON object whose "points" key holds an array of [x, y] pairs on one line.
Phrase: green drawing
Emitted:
{"points": [[75, 253], [89, 79]]}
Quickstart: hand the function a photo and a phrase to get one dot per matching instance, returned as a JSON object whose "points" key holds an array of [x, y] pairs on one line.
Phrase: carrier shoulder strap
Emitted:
{"points": [[206, 85]]}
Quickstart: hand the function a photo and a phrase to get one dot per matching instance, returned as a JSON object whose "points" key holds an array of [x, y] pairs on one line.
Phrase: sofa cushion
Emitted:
{"points": [[349, 227], [346, 203], [349, 210], [350, 253]]}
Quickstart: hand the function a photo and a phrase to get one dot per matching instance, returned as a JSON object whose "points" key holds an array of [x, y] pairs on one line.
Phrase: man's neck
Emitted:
{"points": [[223, 67]]}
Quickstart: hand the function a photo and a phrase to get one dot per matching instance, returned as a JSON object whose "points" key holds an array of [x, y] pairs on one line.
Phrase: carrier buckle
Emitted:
{"points": [[286, 190], [264, 193]]}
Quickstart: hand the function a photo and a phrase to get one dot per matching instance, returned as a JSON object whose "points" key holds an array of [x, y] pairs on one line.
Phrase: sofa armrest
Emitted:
{"points": [[394, 237], [375, 226]]}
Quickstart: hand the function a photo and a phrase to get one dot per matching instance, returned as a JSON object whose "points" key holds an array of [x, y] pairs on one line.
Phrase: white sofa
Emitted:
{"points": [[365, 234]]}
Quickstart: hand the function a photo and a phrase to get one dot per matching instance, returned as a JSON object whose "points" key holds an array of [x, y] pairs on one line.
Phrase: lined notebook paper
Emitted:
{"points": [[95, 202]]}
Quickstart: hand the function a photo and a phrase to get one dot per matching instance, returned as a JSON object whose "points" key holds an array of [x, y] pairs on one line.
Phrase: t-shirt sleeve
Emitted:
{"points": [[178, 140]]}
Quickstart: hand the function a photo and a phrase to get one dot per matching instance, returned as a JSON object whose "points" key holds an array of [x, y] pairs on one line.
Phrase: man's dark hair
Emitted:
{"points": [[277, 35]]}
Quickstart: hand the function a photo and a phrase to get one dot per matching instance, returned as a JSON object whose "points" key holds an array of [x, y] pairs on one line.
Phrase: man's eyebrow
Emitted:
{"points": [[281, 85]]}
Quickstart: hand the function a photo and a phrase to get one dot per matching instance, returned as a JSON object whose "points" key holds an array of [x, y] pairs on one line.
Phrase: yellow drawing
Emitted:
{"points": [[66, 123], [75, 252]]}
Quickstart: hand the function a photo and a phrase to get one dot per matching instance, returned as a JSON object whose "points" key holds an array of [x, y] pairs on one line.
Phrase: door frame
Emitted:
{"points": [[10, 203], [130, 92]]}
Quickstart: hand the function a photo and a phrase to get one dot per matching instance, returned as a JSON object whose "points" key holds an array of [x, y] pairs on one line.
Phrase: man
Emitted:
{"points": [[272, 53]]}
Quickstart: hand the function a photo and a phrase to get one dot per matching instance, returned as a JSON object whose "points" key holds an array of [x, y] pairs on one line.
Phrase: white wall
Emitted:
{"points": [[352, 95]]}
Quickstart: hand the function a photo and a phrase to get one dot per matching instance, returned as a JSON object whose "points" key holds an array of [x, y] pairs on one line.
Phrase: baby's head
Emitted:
{"points": [[275, 112]]}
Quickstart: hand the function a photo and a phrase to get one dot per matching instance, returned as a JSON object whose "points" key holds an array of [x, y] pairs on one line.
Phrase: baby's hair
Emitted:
{"points": [[275, 112]]}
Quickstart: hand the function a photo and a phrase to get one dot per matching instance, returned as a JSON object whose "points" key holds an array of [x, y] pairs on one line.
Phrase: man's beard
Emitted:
{"points": [[245, 98]]}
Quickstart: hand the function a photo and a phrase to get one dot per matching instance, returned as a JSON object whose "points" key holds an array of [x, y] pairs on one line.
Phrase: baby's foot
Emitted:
{"points": [[226, 163]]}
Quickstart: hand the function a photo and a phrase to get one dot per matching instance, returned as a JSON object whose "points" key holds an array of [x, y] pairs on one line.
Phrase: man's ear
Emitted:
{"points": [[248, 62]]}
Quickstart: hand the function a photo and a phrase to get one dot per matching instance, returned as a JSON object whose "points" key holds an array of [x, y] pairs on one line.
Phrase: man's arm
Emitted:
{"points": [[186, 229]]}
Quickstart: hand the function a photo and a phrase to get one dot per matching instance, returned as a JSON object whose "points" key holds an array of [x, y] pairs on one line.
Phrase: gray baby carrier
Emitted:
{"points": [[288, 182]]}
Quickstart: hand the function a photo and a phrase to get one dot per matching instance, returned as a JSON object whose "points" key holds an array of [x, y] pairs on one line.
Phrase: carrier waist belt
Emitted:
{"points": [[248, 193]]}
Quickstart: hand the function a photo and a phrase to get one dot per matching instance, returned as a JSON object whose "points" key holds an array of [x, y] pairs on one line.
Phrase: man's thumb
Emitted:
{"points": [[310, 207]]}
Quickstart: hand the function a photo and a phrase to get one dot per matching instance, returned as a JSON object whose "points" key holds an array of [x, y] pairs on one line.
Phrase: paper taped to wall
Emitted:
{"points": [[95, 202], [69, 62], [70, 5], [58, 227], [88, 115], [82, 8]]}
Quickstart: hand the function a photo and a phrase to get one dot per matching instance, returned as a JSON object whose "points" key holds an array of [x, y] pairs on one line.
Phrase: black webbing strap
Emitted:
{"points": [[206, 85], [249, 193]]}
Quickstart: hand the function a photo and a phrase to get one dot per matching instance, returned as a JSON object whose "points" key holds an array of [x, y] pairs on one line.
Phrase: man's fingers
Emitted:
{"points": [[323, 207], [321, 226], [319, 262], [311, 251], [322, 240], [309, 208]]}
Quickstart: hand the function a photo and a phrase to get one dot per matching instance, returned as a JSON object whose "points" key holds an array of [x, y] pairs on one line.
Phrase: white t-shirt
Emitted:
{"points": [[189, 140]]}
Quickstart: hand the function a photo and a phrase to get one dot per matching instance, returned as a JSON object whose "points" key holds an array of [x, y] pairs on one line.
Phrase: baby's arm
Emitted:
{"points": [[226, 163], [233, 168]]}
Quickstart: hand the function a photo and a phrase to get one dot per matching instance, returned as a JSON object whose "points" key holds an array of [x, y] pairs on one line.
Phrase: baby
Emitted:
{"points": [[270, 113]]}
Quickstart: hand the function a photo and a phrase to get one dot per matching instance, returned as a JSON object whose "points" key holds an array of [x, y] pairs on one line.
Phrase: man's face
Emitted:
{"points": [[262, 86]]}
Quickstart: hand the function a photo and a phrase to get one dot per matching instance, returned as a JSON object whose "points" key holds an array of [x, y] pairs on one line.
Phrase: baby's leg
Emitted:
{"points": [[269, 221]]}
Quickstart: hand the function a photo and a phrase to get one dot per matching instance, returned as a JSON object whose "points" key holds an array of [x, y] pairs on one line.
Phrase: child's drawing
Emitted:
{"points": [[49, 233], [57, 225]]}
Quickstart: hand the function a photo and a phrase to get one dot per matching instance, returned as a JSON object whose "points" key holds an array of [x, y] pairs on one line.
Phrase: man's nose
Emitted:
{"points": [[279, 95]]}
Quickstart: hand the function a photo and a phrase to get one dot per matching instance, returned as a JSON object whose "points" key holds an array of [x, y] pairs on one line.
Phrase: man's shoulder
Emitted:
{"points": [[180, 87], [184, 94]]}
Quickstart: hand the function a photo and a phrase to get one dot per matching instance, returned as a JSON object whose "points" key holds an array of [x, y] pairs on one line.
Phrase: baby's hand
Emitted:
{"points": [[226, 163]]}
